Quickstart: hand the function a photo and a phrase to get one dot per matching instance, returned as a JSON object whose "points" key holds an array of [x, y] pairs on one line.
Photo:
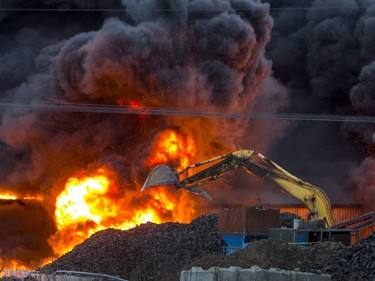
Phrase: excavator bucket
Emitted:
{"points": [[161, 175]]}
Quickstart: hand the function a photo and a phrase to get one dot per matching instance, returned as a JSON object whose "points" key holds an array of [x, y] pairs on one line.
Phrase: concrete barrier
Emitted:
{"points": [[254, 273]]}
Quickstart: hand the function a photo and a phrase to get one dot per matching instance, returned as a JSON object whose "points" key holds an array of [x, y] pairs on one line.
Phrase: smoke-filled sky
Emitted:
{"points": [[248, 56]]}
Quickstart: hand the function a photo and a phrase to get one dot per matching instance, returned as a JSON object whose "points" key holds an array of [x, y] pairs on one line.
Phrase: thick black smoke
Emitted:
{"points": [[25, 227], [197, 55], [324, 52]]}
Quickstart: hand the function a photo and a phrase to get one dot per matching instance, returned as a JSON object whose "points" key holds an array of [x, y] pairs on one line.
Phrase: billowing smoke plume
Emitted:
{"points": [[324, 52], [202, 55], [195, 55]]}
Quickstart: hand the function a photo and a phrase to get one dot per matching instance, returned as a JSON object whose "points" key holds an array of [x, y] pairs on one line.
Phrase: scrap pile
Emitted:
{"points": [[356, 262], [160, 252], [147, 252]]}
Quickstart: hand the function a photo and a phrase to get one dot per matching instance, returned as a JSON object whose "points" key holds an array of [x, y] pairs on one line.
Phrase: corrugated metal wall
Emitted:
{"points": [[341, 214]]}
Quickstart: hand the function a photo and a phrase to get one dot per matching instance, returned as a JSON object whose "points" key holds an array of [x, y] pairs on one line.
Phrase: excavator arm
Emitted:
{"points": [[252, 162]]}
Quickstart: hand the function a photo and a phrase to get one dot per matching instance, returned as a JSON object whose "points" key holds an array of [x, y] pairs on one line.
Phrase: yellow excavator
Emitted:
{"points": [[314, 198]]}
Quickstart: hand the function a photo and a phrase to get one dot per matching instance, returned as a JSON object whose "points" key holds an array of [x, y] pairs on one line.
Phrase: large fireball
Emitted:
{"points": [[96, 201]]}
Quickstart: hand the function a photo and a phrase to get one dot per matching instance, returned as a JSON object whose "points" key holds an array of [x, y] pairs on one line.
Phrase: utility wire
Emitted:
{"points": [[173, 9], [163, 111]]}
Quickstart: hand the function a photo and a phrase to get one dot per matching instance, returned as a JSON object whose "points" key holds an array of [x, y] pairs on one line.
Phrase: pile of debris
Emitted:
{"points": [[275, 254], [147, 252], [160, 252], [287, 219], [354, 263]]}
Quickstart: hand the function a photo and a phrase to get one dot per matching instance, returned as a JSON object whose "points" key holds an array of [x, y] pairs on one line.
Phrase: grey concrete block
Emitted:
{"points": [[254, 273]]}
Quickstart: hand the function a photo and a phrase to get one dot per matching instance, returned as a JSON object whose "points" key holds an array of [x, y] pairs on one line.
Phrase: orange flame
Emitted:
{"points": [[96, 201], [17, 268], [172, 146], [13, 268], [12, 196], [83, 200], [8, 196], [135, 104], [92, 203]]}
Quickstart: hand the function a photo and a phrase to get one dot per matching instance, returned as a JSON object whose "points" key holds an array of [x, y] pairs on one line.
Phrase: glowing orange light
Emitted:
{"points": [[14, 268], [172, 146], [33, 197], [8, 196], [79, 200], [93, 203], [135, 104], [167, 203]]}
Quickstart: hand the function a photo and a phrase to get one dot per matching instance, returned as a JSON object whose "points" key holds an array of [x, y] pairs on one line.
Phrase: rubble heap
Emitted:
{"points": [[287, 219], [160, 252], [354, 263], [276, 254], [147, 252]]}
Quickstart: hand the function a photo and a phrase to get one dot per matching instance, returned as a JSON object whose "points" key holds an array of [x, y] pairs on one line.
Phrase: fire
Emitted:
{"points": [[13, 268], [132, 104], [141, 217], [81, 201], [12, 196], [33, 197], [135, 104], [94, 202], [85, 206], [172, 146], [8, 196]]}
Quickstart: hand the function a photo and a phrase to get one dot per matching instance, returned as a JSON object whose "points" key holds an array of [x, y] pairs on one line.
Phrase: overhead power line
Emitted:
{"points": [[162, 111], [174, 9]]}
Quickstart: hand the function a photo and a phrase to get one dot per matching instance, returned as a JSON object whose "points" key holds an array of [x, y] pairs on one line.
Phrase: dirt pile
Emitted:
{"points": [[160, 252], [147, 252]]}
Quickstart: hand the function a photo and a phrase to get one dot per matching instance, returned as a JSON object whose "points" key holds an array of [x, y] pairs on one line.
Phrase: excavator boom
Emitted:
{"points": [[252, 162]]}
